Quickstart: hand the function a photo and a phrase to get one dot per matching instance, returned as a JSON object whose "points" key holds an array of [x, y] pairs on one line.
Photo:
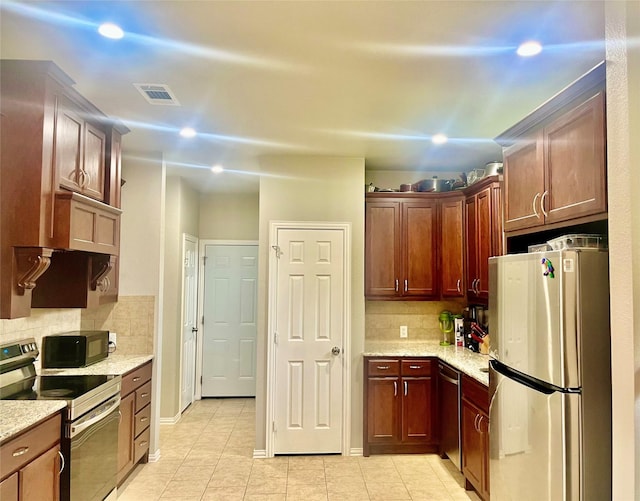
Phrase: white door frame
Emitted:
{"points": [[187, 237], [200, 340], [275, 226]]}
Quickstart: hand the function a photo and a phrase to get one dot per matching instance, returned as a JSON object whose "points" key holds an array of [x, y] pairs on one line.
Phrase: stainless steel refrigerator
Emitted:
{"points": [[550, 376]]}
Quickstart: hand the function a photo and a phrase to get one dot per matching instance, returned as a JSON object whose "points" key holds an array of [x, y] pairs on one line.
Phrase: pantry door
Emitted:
{"points": [[229, 320], [309, 313]]}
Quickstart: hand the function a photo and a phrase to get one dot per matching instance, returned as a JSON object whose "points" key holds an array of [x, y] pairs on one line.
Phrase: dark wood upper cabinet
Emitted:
{"points": [[452, 247], [555, 160], [413, 246], [419, 249], [59, 184], [483, 235]]}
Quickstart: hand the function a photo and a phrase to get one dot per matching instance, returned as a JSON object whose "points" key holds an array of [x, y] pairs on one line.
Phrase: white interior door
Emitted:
{"points": [[189, 315], [310, 324], [230, 321]]}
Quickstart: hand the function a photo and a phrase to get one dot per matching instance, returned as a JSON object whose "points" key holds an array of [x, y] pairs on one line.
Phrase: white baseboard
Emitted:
{"points": [[355, 451], [170, 420], [155, 457], [259, 453]]}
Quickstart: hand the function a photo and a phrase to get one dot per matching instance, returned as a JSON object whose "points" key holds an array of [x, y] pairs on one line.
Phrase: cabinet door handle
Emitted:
{"points": [[477, 286], [88, 180], [396, 285], [475, 423], [61, 462], [20, 451], [535, 199], [406, 285], [406, 389], [458, 285], [395, 388], [542, 203]]}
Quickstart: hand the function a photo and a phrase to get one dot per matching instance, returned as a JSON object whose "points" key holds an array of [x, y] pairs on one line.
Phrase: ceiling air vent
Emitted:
{"points": [[157, 94]]}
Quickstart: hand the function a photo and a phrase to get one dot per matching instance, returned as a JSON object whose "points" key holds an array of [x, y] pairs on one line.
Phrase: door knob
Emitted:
{"points": [[335, 350]]}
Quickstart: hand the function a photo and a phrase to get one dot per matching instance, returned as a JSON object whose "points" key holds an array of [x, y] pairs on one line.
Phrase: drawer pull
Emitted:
{"points": [[136, 379], [144, 395], [143, 419], [382, 367], [143, 443], [415, 367], [21, 451]]}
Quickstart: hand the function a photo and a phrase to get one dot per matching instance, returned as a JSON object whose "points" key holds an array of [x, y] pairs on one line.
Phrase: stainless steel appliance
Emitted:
{"points": [[90, 422], [550, 417], [449, 405], [74, 349]]}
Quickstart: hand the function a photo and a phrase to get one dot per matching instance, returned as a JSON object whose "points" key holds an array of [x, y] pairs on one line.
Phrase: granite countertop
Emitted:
{"points": [[114, 364], [18, 415], [461, 358]]}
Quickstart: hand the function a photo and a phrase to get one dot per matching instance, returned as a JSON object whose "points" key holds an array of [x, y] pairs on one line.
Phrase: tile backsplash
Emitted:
{"points": [[132, 318], [384, 318]]}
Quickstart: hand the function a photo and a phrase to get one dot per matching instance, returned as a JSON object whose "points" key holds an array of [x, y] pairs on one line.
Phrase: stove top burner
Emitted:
{"points": [[56, 392]]}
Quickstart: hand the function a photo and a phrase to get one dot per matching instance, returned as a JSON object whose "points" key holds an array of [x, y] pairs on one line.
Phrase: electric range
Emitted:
{"points": [[89, 438]]}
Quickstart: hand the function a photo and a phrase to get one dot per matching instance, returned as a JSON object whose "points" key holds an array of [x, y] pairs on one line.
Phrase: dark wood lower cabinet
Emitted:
{"points": [[30, 464], [134, 431], [399, 403], [475, 436]]}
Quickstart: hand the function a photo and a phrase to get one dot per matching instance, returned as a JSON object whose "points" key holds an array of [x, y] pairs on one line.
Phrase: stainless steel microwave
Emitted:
{"points": [[74, 349]]}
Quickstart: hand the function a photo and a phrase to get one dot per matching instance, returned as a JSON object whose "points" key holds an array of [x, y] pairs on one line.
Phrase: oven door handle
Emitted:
{"points": [[103, 411]]}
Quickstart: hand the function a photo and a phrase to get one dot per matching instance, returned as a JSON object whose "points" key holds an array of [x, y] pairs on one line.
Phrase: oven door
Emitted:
{"points": [[93, 454]]}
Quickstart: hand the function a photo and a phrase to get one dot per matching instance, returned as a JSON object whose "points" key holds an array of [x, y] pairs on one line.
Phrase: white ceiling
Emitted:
{"points": [[372, 79]]}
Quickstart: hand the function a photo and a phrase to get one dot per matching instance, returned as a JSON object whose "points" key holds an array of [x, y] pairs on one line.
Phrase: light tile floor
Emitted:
{"points": [[208, 455]]}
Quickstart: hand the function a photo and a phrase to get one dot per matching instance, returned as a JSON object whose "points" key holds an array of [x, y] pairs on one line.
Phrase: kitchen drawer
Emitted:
{"points": [[142, 419], [417, 367], [141, 445], [476, 393], [143, 396], [136, 378], [383, 367], [21, 450]]}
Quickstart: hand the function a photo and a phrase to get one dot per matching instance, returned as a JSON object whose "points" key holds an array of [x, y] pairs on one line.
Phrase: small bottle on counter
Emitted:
{"points": [[458, 329]]}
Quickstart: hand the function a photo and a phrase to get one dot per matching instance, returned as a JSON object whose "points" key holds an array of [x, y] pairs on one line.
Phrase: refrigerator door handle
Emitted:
{"points": [[528, 381]]}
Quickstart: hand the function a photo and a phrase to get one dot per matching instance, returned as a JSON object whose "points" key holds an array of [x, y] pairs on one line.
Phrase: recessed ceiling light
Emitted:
{"points": [[439, 139], [217, 169], [530, 48], [187, 132], [110, 30]]}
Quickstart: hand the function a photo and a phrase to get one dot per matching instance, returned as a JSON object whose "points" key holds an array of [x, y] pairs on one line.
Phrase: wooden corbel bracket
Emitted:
{"points": [[103, 264], [31, 263]]}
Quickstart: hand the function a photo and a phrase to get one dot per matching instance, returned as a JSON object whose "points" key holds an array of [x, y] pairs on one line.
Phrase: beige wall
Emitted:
{"points": [[182, 216], [141, 254], [229, 216], [623, 160], [313, 189]]}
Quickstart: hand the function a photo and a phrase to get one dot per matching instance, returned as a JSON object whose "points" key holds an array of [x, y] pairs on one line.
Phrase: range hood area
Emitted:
{"points": [[60, 178]]}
